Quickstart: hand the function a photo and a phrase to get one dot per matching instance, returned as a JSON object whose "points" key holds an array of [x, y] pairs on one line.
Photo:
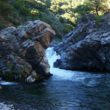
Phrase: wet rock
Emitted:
{"points": [[33, 76], [43, 67], [0, 87]]}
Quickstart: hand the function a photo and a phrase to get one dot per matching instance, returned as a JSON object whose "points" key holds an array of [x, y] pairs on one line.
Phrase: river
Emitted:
{"points": [[65, 90]]}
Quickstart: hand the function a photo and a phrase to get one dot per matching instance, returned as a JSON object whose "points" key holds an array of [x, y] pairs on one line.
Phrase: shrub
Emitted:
{"points": [[55, 28], [57, 39], [72, 21], [24, 11], [14, 21], [47, 20], [36, 13], [69, 26], [58, 35], [61, 19], [66, 30], [98, 18], [15, 14], [1, 25], [9, 19]]}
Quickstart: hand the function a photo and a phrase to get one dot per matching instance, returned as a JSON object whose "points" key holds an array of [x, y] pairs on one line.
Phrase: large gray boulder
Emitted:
{"points": [[22, 51], [87, 47]]}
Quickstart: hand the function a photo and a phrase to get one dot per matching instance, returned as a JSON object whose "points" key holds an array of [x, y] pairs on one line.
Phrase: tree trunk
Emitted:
{"points": [[97, 10]]}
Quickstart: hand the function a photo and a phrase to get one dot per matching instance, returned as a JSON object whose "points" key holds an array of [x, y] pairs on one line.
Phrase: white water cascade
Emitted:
{"points": [[60, 74]]}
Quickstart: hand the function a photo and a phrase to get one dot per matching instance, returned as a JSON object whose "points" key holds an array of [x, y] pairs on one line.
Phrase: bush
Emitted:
{"points": [[61, 19], [72, 21], [1, 25], [66, 30], [9, 19], [36, 13], [69, 26], [55, 28], [24, 11], [47, 20], [98, 18], [15, 14], [57, 39], [58, 35], [57, 9]]}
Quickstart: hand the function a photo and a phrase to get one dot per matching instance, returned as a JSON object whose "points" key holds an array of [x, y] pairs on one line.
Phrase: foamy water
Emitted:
{"points": [[7, 83], [90, 79]]}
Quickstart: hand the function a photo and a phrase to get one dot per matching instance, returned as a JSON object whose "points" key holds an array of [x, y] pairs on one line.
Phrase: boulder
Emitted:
{"points": [[86, 48], [22, 50]]}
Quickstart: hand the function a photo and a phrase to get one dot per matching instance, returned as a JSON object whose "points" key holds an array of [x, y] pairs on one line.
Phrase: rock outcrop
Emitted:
{"points": [[22, 51], [87, 47]]}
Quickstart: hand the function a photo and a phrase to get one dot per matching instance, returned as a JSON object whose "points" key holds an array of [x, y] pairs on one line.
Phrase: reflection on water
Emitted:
{"points": [[65, 90]]}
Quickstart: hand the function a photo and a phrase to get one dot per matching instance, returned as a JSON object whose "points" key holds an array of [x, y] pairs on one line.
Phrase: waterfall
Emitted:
{"points": [[59, 73], [86, 78]]}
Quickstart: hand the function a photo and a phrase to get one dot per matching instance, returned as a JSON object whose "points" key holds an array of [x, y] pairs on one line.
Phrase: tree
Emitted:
{"points": [[83, 9], [98, 5]]}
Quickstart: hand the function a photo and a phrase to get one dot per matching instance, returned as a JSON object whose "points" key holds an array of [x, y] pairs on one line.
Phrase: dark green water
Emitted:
{"points": [[65, 90], [52, 94]]}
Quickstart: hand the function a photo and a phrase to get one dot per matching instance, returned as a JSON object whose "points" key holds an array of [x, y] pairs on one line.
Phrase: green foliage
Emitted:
{"points": [[66, 30], [1, 25], [36, 13], [24, 11], [72, 21], [62, 15], [5, 7], [15, 14], [57, 39], [12, 20], [55, 28], [58, 35], [67, 16], [62, 20], [83, 9], [57, 9], [37, 4], [69, 26], [98, 18], [62, 3], [47, 20], [98, 6]]}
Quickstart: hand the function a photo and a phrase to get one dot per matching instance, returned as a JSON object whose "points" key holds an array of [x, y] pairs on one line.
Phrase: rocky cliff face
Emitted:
{"points": [[87, 47], [22, 51]]}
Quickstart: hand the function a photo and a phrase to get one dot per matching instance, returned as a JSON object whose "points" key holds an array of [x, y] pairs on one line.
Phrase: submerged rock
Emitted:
{"points": [[0, 87], [87, 47], [22, 50]]}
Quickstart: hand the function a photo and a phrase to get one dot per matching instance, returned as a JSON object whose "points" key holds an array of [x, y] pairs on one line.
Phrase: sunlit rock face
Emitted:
{"points": [[87, 47], [22, 50]]}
